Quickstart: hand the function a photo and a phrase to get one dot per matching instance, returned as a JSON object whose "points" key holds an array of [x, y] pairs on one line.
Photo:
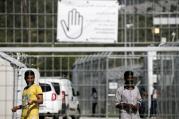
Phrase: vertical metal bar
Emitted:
{"points": [[53, 65], [150, 57], [68, 67], [92, 71], [6, 21], [153, 17], [29, 20], [22, 33], [175, 86], [99, 85], [25, 13], [37, 18], [169, 28], [107, 68], [82, 70], [145, 26], [53, 23], [13, 7], [133, 29], [164, 99], [37, 62], [14, 90], [45, 22], [60, 66], [45, 74], [125, 33], [137, 26]]}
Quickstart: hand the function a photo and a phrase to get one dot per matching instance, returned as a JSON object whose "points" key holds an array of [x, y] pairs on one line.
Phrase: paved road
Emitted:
{"points": [[86, 118], [102, 118]]}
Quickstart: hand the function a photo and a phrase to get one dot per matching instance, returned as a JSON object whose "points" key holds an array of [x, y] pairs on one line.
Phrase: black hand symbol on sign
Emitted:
{"points": [[73, 29]]}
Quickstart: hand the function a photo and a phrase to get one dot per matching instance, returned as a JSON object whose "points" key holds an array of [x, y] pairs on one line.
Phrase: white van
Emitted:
{"points": [[51, 104], [69, 104]]}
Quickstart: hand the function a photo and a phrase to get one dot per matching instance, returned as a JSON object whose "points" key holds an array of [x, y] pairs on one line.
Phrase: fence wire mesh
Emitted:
{"points": [[104, 72]]}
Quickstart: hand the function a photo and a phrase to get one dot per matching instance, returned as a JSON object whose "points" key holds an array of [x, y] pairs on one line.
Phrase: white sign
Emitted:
{"points": [[87, 21], [113, 85]]}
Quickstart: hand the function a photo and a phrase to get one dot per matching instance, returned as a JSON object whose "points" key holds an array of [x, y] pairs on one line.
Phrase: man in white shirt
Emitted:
{"points": [[128, 98]]}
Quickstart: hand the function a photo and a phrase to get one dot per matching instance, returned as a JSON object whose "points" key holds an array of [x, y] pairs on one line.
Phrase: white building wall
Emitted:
{"points": [[6, 89]]}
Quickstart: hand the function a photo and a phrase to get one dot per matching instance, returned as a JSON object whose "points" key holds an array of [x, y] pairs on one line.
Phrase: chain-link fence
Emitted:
{"points": [[102, 71]]}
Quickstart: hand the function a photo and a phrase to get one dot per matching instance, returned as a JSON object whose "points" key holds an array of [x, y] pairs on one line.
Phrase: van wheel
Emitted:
{"points": [[75, 117], [41, 117], [55, 117], [64, 117]]}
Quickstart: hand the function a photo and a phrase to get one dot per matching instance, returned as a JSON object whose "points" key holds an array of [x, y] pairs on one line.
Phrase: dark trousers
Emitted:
{"points": [[153, 109], [94, 108]]}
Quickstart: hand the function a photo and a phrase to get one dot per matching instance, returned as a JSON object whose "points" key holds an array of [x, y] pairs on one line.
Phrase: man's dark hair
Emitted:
{"points": [[127, 74], [28, 72]]}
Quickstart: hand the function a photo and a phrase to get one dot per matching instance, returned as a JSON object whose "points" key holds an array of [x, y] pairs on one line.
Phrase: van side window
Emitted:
{"points": [[45, 87], [56, 87]]}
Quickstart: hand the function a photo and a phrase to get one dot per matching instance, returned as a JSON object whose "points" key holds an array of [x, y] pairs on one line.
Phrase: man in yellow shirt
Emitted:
{"points": [[31, 98]]}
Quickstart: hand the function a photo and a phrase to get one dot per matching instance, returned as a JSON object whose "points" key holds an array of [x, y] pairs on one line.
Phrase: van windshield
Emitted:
{"points": [[56, 87], [45, 87]]}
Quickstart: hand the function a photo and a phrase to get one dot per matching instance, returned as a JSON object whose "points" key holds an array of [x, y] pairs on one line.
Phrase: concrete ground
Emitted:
{"points": [[86, 118], [103, 118]]}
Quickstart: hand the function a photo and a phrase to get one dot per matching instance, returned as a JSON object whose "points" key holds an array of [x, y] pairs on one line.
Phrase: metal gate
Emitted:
{"points": [[103, 71]]}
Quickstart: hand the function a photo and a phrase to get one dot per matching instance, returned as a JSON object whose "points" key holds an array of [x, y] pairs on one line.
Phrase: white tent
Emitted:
{"points": [[8, 73]]}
